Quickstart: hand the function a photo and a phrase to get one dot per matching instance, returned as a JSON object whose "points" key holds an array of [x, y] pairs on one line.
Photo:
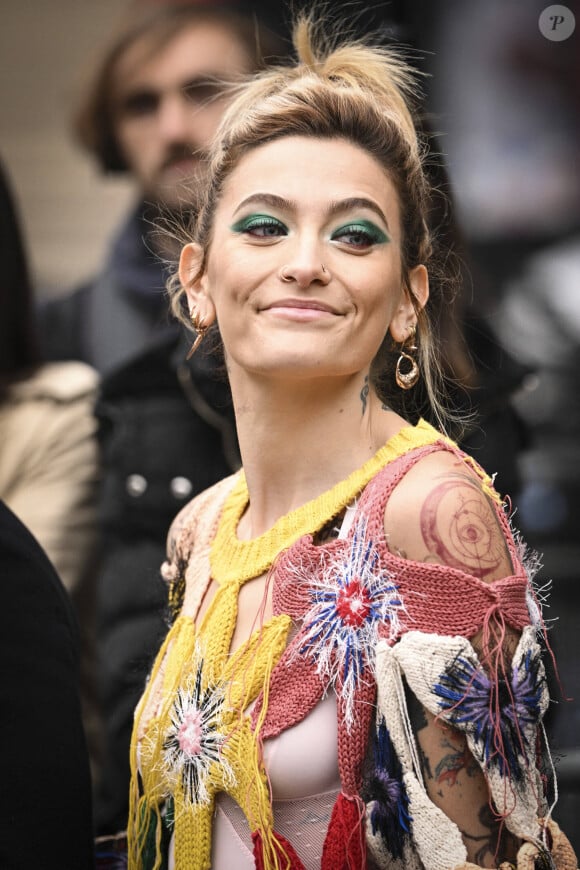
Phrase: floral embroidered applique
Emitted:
{"points": [[386, 796], [354, 602], [195, 738], [497, 720]]}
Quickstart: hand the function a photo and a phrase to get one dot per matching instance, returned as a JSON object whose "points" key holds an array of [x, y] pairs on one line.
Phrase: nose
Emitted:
{"points": [[174, 117], [305, 268]]}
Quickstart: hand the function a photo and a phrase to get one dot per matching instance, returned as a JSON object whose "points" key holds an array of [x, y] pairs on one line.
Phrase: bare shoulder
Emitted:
{"points": [[440, 512]]}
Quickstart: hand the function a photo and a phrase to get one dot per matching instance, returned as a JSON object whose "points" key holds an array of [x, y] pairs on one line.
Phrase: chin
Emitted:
{"points": [[291, 368]]}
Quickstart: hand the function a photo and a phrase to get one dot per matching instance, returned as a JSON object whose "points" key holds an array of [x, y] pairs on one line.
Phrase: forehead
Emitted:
{"points": [[201, 48], [310, 172]]}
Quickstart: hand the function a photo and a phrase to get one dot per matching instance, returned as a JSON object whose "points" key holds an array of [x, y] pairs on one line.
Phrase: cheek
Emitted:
{"points": [[379, 311], [231, 274], [135, 144], [222, 285], [204, 122], [381, 299]]}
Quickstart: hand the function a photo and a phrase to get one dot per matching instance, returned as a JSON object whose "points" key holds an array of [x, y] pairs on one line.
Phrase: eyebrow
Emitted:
{"points": [[336, 207]]}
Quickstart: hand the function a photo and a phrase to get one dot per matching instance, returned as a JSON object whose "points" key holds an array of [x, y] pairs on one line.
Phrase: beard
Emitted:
{"points": [[178, 176]]}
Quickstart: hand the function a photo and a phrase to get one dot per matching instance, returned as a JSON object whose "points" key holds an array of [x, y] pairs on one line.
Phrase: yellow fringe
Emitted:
{"points": [[138, 806]]}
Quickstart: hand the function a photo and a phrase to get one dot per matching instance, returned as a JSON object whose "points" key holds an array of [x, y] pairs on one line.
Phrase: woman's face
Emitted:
{"points": [[304, 268]]}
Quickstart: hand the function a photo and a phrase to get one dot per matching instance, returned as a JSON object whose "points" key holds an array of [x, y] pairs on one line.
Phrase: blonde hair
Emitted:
{"points": [[367, 95]]}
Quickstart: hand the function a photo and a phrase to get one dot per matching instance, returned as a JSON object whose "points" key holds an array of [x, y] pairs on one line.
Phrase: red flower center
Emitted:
{"points": [[353, 603]]}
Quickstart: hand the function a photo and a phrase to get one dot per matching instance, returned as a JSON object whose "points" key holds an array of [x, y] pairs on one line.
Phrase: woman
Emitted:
{"points": [[352, 678]]}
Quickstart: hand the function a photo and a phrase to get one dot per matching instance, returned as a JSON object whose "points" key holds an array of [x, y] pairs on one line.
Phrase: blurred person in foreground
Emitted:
{"points": [[166, 426], [45, 799], [48, 452], [354, 676], [48, 446]]}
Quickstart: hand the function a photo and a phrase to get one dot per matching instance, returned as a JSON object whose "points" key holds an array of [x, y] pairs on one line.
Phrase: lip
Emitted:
{"points": [[306, 305], [300, 310]]}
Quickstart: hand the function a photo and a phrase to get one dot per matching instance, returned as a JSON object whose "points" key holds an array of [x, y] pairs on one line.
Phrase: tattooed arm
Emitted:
{"points": [[456, 784], [439, 513]]}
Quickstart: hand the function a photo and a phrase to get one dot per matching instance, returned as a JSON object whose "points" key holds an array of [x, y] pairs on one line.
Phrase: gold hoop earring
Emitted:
{"points": [[407, 379], [201, 329]]}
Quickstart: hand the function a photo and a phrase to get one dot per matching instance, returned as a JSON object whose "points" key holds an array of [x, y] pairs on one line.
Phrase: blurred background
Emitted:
{"points": [[67, 207], [503, 94]]}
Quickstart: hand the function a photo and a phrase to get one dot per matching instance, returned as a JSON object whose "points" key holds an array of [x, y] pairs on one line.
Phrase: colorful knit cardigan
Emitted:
{"points": [[364, 618]]}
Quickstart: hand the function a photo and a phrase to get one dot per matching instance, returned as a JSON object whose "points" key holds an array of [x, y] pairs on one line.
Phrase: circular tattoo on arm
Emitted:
{"points": [[460, 527]]}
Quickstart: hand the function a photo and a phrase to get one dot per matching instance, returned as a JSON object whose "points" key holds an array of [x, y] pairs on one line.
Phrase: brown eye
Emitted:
{"points": [[140, 104]]}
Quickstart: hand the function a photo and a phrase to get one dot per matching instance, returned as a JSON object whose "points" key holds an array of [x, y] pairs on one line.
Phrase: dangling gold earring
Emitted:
{"points": [[200, 327], [407, 380]]}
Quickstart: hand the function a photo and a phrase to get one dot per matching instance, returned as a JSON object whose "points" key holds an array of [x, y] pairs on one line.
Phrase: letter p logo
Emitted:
{"points": [[557, 23]]}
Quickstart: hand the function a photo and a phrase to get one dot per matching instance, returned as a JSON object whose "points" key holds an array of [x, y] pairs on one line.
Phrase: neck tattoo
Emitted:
{"points": [[364, 394]]}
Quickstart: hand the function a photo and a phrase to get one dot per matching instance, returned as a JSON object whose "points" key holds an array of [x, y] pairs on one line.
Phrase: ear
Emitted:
{"points": [[406, 314], [193, 279]]}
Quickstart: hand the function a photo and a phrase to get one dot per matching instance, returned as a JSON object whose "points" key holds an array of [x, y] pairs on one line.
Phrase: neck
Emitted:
{"points": [[297, 441]]}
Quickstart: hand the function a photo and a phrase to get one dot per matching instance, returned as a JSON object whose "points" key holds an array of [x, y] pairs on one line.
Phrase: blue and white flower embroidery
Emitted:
{"points": [[194, 740], [352, 600], [386, 796], [497, 715]]}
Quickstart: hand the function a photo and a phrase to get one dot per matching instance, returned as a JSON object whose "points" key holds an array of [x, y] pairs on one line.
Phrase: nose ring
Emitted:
{"points": [[284, 276]]}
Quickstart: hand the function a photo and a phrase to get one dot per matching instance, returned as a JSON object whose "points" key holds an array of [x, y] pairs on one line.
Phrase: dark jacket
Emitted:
{"points": [[162, 442], [45, 796], [166, 432]]}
